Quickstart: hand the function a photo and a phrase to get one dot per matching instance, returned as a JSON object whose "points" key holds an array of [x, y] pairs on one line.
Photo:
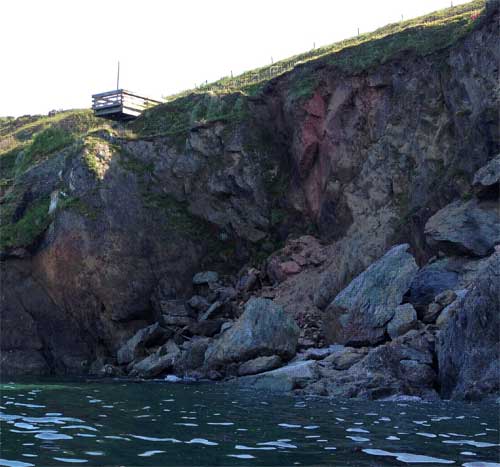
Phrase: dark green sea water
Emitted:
{"points": [[56, 423]]}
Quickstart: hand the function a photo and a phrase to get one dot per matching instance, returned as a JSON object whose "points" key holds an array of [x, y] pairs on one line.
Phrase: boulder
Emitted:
{"points": [[449, 311], [431, 280], [283, 379], [259, 365], [205, 278], [468, 346], [198, 303], [405, 318], [445, 298], [346, 358], [465, 227], [400, 367], [136, 346], [263, 329], [207, 328], [358, 312], [151, 366], [487, 180], [432, 313], [382, 283], [176, 313], [191, 356]]}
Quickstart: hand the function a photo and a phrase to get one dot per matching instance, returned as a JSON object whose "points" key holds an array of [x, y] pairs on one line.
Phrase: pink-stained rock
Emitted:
{"points": [[290, 267]]}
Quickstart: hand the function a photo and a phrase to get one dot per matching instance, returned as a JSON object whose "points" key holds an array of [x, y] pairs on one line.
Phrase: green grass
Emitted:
{"points": [[175, 119], [26, 142], [422, 35], [28, 228]]}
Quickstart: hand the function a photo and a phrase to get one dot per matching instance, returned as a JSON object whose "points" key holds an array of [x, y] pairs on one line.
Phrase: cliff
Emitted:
{"points": [[358, 148]]}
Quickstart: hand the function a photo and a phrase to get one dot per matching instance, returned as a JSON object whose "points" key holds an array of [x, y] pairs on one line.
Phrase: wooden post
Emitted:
{"points": [[358, 31], [118, 76]]}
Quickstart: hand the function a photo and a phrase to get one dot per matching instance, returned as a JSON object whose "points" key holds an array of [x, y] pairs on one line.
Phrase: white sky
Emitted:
{"points": [[56, 53]]}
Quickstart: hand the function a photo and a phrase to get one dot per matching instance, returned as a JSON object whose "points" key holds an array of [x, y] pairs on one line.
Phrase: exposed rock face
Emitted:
{"points": [[401, 367], [364, 158], [363, 308], [469, 342], [284, 379], [471, 227], [487, 180], [263, 330]]}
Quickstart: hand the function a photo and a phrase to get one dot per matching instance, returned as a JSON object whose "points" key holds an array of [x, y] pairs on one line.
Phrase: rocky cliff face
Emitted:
{"points": [[359, 158]]}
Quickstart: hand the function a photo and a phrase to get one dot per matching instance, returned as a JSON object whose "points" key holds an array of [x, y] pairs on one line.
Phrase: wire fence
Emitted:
{"points": [[245, 80]]}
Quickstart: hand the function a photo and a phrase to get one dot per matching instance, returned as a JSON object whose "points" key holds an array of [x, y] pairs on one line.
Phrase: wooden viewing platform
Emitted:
{"points": [[120, 104]]}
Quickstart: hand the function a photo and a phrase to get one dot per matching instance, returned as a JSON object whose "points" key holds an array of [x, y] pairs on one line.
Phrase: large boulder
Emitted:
{"points": [[403, 366], [487, 180], [157, 363], [359, 313], [465, 227], [136, 346], [259, 365], [468, 346], [263, 329], [284, 379]]}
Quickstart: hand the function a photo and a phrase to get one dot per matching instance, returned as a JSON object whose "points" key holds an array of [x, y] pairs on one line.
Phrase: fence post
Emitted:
{"points": [[358, 31]]}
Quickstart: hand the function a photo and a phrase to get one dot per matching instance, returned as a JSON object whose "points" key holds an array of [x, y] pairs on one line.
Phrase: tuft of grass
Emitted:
{"points": [[28, 228], [44, 143], [175, 119]]}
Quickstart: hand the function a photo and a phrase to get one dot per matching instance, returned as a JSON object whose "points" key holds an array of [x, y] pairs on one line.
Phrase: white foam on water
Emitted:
{"points": [[7, 463], [358, 439], [30, 455], [357, 430], [94, 453], [329, 448], [150, 453], [468, 453], [203, 441], [311, 427], [288, 425], [26, 426], [468, 442], [312, 436], [52, 436], [85, 435], [481, 464], [241, 456], [116, 437], [31, 406], [186, 424], [156, 440], [427, 435], [70, 460], [279, 444], [408, 458], [242, 447], [393, 438], [220, 424]]}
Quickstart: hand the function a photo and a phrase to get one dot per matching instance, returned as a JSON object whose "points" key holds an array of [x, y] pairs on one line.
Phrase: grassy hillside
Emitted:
{"points": [[421, 35], [25, 144]]}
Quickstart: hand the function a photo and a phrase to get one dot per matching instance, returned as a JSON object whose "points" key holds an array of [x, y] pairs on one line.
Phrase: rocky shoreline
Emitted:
{"points": [[395, 330], [335, 233]]}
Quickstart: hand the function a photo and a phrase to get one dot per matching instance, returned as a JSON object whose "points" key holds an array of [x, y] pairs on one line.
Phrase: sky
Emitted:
{"points": [[56, 53]]}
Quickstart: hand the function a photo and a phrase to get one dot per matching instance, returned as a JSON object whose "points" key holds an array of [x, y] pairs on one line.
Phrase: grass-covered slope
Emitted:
{"points": [[25, 144], [421, 35], [224, 99]]}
